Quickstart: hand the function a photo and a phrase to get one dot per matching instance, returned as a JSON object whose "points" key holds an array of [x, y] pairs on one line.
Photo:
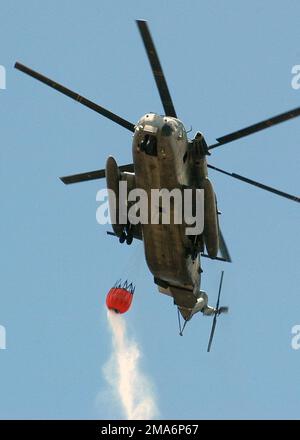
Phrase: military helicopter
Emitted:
{"points": [[164, 157]]}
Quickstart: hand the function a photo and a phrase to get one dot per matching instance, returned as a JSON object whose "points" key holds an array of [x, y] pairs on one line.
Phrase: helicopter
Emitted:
{"points": [[164, 157]]}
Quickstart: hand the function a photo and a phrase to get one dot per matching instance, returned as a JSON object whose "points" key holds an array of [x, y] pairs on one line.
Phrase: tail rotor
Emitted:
{"points": [[218, 312]]}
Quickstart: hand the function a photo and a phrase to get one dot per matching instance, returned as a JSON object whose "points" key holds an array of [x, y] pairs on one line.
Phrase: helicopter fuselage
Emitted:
{"points": [[162, 156], [159, 164]]}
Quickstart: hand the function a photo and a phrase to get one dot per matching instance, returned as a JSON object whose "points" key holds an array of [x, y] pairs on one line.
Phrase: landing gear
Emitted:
{"points": [[122, 237], [126, 236]]}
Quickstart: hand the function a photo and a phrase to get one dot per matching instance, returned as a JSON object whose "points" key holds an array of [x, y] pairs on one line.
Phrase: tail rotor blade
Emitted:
{"points": [[216, 314], [220, 288], [212, 333]]}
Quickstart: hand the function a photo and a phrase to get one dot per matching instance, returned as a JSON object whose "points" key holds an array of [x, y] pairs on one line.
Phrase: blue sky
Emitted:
{"points": [[228, 64]]}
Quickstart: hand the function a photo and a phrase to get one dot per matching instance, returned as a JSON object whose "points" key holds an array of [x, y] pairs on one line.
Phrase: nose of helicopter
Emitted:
{"points": [[155, 124]]}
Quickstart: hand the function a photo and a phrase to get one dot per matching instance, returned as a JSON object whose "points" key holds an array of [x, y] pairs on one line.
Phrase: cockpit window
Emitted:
{"points": [[166, 130], [149, 145]]}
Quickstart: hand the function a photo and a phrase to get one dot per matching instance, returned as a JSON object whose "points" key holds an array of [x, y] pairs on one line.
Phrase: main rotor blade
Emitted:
{"points": [[92, 175], [215, 258], [256, 127], [216, 314], [223, 248], [257, 184], [97, 108], [156, 69]]}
